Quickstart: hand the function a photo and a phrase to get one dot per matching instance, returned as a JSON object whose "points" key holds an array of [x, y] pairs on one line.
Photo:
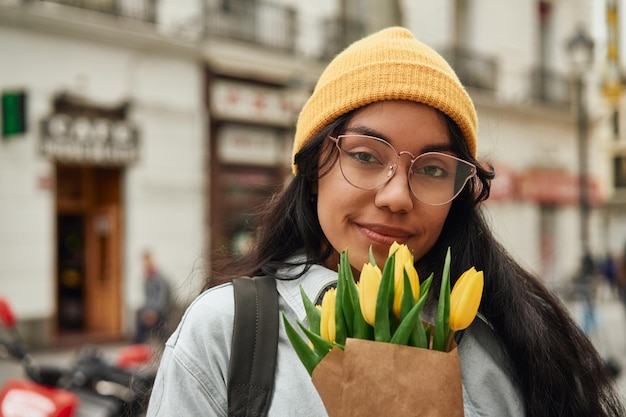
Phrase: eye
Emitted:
{"points": [[431, 171], [434, 165], [364, 157]]}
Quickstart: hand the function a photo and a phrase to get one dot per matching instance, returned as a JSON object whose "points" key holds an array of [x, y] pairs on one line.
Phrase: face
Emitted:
{"points": [[355, 219]]}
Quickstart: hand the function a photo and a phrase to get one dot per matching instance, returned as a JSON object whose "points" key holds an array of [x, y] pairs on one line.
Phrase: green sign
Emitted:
{"points": [[13, 113]]}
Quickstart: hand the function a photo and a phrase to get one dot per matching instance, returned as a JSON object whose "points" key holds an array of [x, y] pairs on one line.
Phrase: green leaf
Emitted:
{"points": [[313, 314], [407, 301], [361, 329], [372, 258], [382, 324], [340, 321], [425, 285], [342, 347], [408, 325], [428, 329], [321, 346], [442, 322], [343, 279], [307, 356], [420, 337]]}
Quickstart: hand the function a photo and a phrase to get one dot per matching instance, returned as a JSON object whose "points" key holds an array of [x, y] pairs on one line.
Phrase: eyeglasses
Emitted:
{"points": [[368, 163]]}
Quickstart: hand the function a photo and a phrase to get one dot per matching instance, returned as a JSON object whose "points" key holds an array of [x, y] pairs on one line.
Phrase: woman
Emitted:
{"points": [[385, 150]]}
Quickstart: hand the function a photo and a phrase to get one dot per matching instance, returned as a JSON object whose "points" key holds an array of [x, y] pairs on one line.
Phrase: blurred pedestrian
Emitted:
{"points": [[620, 275], [152, 317]]}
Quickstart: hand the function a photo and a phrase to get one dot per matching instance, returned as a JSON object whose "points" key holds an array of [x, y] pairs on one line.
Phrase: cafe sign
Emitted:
{"points": [[81, 139], [251, 103]]}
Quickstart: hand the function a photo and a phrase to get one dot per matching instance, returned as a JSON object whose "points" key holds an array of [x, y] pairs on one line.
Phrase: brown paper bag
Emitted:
{"points": [[382, 379]]}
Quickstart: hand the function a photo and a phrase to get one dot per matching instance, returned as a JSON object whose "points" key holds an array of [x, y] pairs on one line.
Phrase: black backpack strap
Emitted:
{"points": [[254, 347]]}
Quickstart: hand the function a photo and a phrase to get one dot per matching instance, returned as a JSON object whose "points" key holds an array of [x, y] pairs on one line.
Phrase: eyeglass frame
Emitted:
{"points": [[394, 167]]}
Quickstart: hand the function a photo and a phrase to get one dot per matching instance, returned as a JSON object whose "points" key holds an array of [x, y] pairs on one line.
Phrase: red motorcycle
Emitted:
{"points": [[92, 386]]}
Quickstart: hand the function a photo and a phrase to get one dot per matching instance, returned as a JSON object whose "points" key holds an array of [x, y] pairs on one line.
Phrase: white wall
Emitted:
{"points": [[163, 200], [26, 200], [164, 194], [164, 190]]}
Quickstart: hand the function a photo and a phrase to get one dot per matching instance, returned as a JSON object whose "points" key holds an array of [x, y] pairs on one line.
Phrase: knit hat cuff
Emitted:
{"points": [[389, 65]]}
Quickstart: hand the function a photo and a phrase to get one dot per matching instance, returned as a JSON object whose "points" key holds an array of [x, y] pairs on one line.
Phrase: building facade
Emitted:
{"points": [[109, 163], [163, 126]]}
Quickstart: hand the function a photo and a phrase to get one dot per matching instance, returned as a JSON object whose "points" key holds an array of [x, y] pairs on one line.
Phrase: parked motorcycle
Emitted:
{"points": [[91, 386]]}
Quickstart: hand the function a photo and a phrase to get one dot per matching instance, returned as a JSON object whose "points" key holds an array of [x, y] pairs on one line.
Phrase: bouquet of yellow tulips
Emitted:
{"points": [[343, 350]]}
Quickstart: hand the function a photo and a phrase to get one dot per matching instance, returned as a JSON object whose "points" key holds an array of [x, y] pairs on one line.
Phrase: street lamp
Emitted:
{"points": [[580, 49]]}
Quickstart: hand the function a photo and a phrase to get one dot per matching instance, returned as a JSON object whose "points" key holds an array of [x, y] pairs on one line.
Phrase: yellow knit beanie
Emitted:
{"points": [[387, 65]]}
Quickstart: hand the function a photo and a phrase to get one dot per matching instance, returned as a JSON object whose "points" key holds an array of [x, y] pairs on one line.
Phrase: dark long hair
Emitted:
{"points": [[558, 371]]}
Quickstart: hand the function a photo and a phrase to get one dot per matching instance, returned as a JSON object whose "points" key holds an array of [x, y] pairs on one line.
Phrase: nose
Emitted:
{"points": [[396, 194]]}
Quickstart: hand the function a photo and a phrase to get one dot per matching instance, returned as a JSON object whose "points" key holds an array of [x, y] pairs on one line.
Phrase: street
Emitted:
{"points": [[608, 335], [61, 358]]}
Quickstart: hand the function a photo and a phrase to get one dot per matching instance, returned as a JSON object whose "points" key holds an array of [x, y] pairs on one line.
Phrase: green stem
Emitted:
{"points": [[449, 341]]}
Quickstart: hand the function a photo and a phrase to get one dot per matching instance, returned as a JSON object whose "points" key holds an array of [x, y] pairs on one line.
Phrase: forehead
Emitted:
{"points": [[405, 124]]}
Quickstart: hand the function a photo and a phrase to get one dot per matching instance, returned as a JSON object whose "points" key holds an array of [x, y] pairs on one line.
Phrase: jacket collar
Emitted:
{"points": [[314, 283]]}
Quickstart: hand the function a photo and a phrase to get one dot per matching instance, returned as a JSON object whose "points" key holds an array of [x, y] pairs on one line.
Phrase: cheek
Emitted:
{"points": [[337, 203], [432, 220], [332, 194]]}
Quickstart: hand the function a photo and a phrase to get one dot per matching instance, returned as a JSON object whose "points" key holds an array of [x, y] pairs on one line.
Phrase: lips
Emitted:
{"points": [[384, 234]]}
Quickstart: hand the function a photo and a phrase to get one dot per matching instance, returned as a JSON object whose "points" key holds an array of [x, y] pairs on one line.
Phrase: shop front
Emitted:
{"points": [[251, 129], [90, 147]]}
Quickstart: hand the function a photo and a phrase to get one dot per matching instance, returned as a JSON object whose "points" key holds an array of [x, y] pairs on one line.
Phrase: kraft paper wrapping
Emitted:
{"points": [[382, 379]]}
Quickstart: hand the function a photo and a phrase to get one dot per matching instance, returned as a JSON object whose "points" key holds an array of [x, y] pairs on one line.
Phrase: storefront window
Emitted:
{"points": [[243, 191]]}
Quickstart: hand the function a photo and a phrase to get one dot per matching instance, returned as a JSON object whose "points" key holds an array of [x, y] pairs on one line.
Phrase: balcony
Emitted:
{"points": [[473, 69], [260, 24], [550, 88], [263, 24], [141, 10]]}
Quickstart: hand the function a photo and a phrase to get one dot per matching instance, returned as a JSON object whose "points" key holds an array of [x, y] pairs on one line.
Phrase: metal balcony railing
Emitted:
{"points": [[474, 70], [550, 88], [263, 24], [266, 25], [141, 10]]}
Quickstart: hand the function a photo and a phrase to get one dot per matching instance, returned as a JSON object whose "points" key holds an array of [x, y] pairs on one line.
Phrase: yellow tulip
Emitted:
{"points": [[465, 299], [369, 282], [327, 320], [393, 248], [403, 261], [413, 279]]}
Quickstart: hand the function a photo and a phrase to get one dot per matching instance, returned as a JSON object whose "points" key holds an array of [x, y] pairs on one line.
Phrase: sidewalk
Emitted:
{"points": [[608, 334], [9, 368]]}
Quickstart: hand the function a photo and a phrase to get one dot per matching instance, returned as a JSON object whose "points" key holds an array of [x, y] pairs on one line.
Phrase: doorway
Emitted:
{"points": [[88, 255]]}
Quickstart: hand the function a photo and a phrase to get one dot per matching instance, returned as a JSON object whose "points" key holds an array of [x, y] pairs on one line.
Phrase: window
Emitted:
{"points": [[619, 171]]}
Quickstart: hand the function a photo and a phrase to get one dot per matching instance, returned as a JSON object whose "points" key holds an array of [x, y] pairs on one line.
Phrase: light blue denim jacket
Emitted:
{"points": [[193, 372]]}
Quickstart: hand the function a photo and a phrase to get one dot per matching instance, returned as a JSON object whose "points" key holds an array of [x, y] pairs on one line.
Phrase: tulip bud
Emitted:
{"points": [[404, 262], [393, 248], [369, 282], [465, 299], [327, 321]]}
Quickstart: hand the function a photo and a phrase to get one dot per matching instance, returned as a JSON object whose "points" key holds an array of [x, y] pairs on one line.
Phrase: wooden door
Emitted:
{"points": [[102, 289], [89, 211]]}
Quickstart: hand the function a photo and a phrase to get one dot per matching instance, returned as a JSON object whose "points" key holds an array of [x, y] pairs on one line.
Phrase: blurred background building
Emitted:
{"points": [[161, 125]]}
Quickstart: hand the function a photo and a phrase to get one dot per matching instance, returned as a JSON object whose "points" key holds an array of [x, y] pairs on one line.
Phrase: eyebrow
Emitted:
{"points": [[364, 130]]}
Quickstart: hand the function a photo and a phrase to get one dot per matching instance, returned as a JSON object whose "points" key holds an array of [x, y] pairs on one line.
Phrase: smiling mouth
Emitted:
{"points": [[384, 235]]}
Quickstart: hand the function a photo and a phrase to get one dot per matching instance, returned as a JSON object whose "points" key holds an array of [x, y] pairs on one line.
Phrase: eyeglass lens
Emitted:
{"points": [[434, 178]]}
